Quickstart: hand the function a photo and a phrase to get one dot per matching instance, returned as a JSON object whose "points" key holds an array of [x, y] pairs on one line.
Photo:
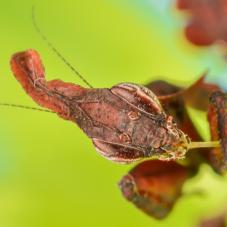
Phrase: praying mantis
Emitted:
{"points": [[133, 123]]}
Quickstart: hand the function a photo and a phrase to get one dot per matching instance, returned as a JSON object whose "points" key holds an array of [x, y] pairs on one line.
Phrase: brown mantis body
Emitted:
{"points": [[126, 123]]}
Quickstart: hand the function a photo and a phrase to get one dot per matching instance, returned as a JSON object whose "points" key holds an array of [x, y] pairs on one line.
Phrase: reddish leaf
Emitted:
{"points": [[208, 20], [198, 94], [215, 221], [154, 186], [217, 117]]}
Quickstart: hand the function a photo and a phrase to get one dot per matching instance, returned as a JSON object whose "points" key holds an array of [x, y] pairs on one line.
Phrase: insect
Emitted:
{"points": [[130, 122]]}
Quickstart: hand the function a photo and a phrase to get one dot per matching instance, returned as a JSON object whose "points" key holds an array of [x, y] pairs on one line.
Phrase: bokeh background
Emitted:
{"points": [[50, 174]]}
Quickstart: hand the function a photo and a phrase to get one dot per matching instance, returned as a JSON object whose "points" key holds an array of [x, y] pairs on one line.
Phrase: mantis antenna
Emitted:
{"points": [[25, 107], [55, 50]]}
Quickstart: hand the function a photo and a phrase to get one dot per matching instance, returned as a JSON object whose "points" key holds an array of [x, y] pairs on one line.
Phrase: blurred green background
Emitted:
{"points": [[50, 174]]}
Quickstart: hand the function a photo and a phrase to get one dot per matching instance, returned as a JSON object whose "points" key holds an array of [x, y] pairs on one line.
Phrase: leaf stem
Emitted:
{"points": [[205, 144]]}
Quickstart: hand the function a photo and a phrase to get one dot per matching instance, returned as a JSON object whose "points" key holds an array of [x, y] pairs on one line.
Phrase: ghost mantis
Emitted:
{"points": [[130, 122]]}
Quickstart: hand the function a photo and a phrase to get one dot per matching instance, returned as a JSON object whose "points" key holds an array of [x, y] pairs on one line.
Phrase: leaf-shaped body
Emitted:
{"points": [[126, 122]]}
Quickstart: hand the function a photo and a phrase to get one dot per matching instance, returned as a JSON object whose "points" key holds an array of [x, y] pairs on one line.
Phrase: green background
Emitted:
{"points": [[50, 174]]}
